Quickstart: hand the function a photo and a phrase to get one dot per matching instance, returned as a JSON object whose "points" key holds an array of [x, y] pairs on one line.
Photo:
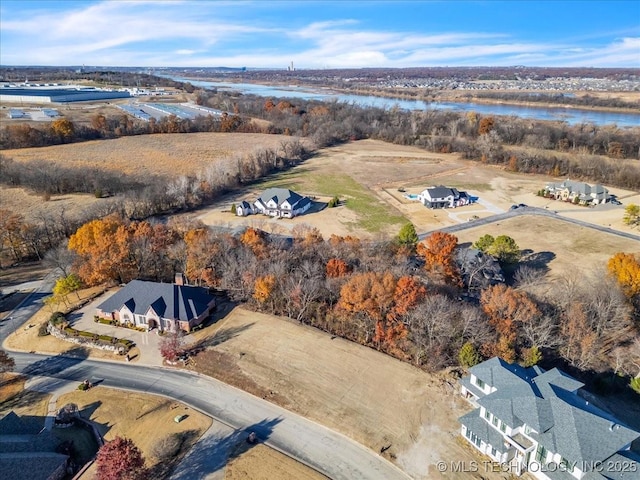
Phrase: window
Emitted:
{"points": [[495, 421], [487, 415], [493, 452], [468, 434], [503, 427], [541, 454], [480, 383]]}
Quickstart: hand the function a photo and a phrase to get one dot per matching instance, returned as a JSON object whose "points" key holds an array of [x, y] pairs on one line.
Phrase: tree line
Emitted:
{"points": [[407, 300], [129, 197], [561, 98]]}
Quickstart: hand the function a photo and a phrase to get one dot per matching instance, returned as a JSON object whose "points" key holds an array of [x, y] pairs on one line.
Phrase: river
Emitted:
{"points": [[570, 115]]}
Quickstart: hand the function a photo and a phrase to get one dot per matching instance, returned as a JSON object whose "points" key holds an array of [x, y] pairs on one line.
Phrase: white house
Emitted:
{"points": [[165, 306], [443, 197], [578, 191], [276, 202], [535, 421]]}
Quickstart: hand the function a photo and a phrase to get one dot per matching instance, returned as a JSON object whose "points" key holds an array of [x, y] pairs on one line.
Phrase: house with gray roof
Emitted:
{"points": [[276, 202], [443, 197], [165, 306], [578, 192], [532, 420], [29, 451]]}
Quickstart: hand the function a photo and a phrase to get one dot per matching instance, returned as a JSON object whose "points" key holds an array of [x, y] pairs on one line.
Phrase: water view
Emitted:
{"points": [[570, 115]]}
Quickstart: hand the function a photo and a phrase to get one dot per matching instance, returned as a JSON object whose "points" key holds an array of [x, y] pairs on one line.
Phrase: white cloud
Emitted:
{"points": [[175, 33]]}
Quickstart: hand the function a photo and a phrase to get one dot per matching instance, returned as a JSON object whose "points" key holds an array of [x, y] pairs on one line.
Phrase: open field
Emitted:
{"points": [[364, 394], [567, 248], [370, 175], [145, 155], [351, 171], [33, 206]]}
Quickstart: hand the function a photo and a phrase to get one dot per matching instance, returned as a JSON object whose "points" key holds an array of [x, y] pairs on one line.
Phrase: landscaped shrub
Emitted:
{"points": [[635, 384], [57, 317], [334, 202]]}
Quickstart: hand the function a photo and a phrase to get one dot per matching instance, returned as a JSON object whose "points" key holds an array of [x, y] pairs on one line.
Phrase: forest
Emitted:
{"points": [[417, 301]]}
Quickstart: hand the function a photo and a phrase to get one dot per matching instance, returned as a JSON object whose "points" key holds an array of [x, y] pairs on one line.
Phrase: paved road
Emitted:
{"points": [[529, 211], [327, 451]]}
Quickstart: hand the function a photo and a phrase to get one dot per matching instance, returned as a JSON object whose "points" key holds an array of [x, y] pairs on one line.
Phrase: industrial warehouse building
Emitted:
{"points": [[56, 94]]}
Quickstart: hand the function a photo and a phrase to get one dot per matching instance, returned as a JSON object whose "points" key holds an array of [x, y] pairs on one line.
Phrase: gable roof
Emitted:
{"points": [[279, 196], [27, 449], [581, 188], [440, 191], [548, 402], [168, 300]]}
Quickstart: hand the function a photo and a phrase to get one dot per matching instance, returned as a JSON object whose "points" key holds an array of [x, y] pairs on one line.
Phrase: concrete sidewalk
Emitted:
{"points": [[53, 386]]}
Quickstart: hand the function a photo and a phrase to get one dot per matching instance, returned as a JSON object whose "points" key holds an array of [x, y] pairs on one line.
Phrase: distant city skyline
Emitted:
{"points": [[329, 34]]}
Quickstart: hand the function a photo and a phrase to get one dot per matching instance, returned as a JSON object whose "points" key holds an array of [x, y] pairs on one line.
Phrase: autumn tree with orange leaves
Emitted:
{"points": [[201, 248], [508, 311], [625, 268], [255, 239], [264, 286], [438, 251], [337, 268], [370, 297], [392, 329], [103, 247]]}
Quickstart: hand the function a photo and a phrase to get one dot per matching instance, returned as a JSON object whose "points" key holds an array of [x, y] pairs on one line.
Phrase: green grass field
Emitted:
{"points": [[373, 214]]}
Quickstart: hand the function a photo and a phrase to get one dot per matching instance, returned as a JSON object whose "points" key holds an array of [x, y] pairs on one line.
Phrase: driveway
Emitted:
{"points": [[148, 343]]}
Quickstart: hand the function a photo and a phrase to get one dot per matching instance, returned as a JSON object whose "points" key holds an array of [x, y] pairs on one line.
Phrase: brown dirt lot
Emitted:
{"points": [[364, 394]]}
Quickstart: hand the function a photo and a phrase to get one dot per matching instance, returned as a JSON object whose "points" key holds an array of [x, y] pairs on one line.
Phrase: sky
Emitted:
{"points": [[320, 34]]}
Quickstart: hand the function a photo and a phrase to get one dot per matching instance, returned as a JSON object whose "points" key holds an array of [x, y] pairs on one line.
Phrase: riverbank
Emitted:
{"points": [[458, 96]]}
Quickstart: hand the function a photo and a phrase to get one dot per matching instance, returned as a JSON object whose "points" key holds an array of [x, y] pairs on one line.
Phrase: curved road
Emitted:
{"points": [[327, 451], [528, 211]]}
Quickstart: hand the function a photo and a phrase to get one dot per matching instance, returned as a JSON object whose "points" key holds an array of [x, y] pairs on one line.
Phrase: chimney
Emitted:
{"points": [[180, 279]]}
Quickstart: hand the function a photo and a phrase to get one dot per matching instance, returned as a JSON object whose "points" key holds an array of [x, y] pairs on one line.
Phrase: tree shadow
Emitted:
{"points": [[536, 260], [50, 366], [213, 452], [221, 336]]}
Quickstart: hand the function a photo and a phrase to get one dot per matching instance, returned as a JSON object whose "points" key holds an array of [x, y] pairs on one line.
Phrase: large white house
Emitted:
{"points": [[580, 192], [165, 306], [443, 197], [276, 202], [531, 420]]}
